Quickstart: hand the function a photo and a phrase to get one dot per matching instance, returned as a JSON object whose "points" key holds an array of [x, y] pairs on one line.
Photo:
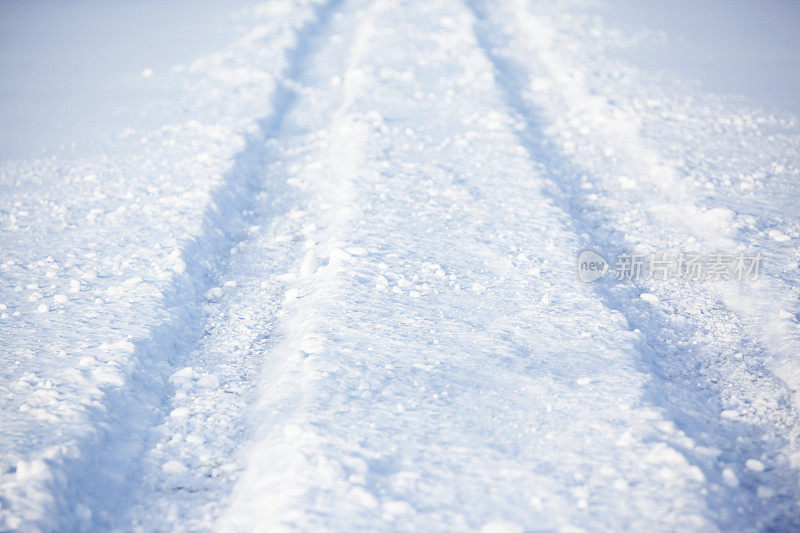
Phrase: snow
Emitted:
{"points": [[741, 48], [327, 276], [116, 71]]}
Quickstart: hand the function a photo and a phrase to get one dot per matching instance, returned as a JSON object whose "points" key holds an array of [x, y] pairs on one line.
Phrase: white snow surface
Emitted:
{"points": [[331, 286]]}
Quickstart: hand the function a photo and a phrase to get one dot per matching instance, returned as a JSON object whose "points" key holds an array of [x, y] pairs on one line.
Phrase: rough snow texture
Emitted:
{"points": [[343, 296]]}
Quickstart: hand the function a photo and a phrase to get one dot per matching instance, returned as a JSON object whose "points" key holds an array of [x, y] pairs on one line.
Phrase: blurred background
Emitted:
{"points": [[70, 69], [73, 71]]}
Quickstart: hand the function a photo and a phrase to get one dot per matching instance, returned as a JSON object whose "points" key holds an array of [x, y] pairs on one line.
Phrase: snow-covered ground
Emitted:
{"points": [[323, 275], [75, 73]]}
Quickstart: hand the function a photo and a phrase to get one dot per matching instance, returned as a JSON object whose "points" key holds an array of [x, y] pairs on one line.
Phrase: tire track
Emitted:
{"points": [[91, 481], [694, 382]]}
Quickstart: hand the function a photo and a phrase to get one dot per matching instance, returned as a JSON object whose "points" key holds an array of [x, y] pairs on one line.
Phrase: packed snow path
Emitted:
{"points": [[361, 312]]}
